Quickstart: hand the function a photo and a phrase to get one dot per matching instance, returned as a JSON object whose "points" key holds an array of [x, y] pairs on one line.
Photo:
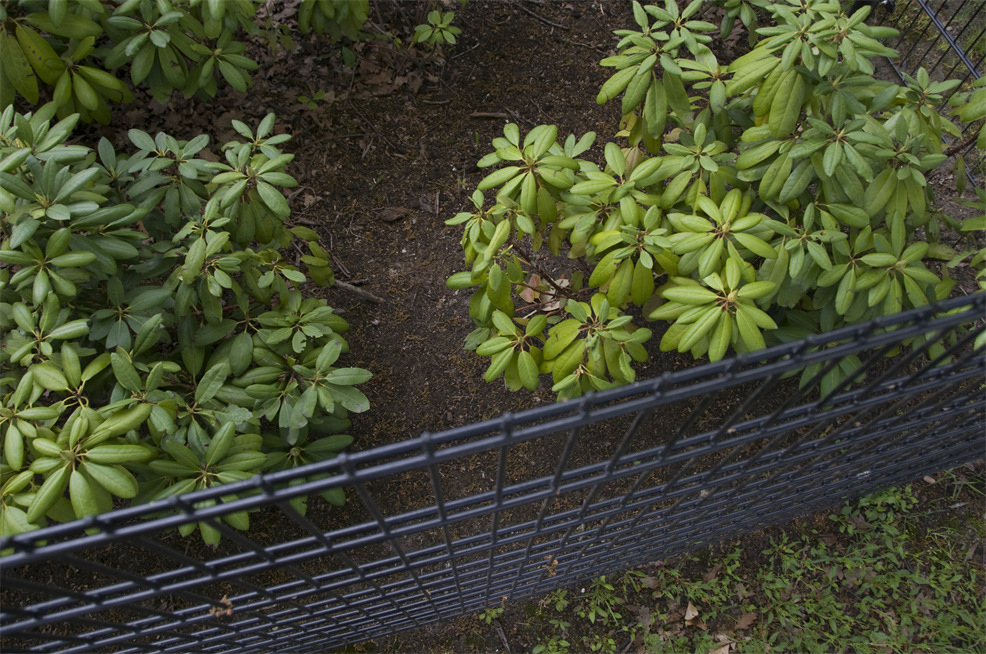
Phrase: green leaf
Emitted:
{"points": [[498, 177], [499, 363], [219, 446], [749, 333], [699, 328], [348, 376], [114, 478], [111, 454], [503, 323], [493, 345], [819, 255], [49, 493], [82, 496], [49, 377], [273, 199], [125, 372], [755, 245], [328, 355], [528, 370], [568, 360], [211, 382], [691, 295], [755, 290], [120, 423], [350, 397], [721, 337]]}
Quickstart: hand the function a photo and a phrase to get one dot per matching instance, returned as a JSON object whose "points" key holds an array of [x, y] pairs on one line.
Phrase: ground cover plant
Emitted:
{"points": [[753, 201], [900, 569], [872, 576]]}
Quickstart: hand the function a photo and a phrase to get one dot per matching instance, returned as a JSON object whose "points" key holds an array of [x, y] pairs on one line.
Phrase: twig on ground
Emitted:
{"points": [[376, 132], [518, 118], [591, 47], [464, 52], [543, 19], [358, 291], [488, 114], [503, 636]]}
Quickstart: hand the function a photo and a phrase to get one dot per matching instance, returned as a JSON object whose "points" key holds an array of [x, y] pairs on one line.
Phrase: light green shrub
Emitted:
{"points": [[754, 202], [155, 338]]}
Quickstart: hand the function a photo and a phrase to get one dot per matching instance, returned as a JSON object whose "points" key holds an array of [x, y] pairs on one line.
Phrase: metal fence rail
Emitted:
{"points": [[551, 496], [947, 38]]}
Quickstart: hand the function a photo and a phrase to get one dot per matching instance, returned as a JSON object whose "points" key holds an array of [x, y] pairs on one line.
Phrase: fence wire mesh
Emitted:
{"points": [[556, 495]]}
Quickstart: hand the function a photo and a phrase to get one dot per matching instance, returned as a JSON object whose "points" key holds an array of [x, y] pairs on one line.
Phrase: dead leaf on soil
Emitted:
{"points": [[746, 620], [644, 617], [692, 619], [529, 294], [722, 650], [711, 574], [227, 608], [392, 214]]}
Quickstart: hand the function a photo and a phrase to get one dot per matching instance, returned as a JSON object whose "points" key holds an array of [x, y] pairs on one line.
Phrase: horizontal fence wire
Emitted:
{"points": [[550, 497], [948, 39]]}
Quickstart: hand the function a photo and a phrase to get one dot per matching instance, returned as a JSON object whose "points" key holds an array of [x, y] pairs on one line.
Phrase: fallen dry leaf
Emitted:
{"points": [[746, 620], [691, 612], [721, 650], [711, 574], [391, 214]]}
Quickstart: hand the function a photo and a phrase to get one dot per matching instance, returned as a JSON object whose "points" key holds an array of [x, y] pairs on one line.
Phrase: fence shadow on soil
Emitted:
{"points": [[756, 447]]}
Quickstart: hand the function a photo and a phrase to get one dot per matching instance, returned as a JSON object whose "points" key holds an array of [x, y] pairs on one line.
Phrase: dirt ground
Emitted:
{"points": [[387, 155]]}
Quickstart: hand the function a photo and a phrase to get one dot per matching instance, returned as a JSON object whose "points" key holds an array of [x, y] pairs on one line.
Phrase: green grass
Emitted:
{"points": [[901, 570]]}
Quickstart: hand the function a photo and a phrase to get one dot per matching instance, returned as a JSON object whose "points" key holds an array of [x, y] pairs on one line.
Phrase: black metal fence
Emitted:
{"points": [[515, 506], [948, 39]]}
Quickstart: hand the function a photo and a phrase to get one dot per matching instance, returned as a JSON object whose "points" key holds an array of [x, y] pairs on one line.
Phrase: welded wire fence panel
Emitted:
{"points": [[948, 39], [551, 497]]}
